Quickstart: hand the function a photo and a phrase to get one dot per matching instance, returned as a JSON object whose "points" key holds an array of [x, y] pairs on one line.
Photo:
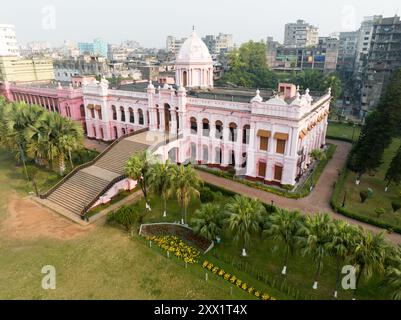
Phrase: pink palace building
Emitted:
{"points": [[265, 136]]}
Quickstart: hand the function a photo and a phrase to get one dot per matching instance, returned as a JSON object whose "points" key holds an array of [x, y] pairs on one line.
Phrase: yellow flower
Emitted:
{"points": [[265, 296]]}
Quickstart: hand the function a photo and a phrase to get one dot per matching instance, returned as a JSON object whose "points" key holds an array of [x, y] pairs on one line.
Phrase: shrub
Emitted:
{"points": [[125, 216], [206, 195], [380, 212], [396, 205], [364, 195]]}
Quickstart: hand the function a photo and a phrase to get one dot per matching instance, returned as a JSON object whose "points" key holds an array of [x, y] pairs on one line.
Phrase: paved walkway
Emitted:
{"points": [[317, 201]]}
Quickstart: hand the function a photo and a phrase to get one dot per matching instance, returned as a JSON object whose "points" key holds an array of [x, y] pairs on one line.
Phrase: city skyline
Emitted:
{"points": [[51, 21]]}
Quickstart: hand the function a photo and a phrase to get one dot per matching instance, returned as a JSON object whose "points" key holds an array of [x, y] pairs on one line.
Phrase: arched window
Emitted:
{"points": [[206, 127], [194, 126], [205, 154], [233, 132], [219, 130], [122, 114], [131, 115], [232, 158], [82, 110], [184, 79], [158, 116], [246, 133], [115, 133], [244, 160], [113, 109], [140, 113]]}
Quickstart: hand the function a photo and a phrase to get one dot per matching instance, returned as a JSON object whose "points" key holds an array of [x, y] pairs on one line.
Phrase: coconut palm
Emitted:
{"points": [[161, 181], [61, 135], [393, 274], [318, 235], [369, 254], [341, 247], [18, 117], [207, 221], [137, 168], [285, 226], [187, 184], [244, 218]]}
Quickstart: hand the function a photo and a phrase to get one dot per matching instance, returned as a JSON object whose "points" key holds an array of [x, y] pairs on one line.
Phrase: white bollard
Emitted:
{"points": [[314, 287], [284, 272], [244, 252], [335, 294], [164, 214], [206, 277]]}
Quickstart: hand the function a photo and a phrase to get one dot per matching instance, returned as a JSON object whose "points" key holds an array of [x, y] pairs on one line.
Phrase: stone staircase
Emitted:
{"points": [[80, 189]]}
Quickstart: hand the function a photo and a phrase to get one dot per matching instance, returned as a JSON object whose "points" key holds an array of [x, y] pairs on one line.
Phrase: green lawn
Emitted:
{"points": [[343, 131], [266, 256], [380, 198], [103, 263]]}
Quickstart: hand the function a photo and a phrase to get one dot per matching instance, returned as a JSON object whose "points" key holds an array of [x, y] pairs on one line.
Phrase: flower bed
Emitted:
{"points": [[235, 281], [166, 229], [177, 247]]}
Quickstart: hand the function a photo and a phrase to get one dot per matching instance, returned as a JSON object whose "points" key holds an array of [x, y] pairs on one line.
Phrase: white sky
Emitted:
{"points": [[150, 21]]}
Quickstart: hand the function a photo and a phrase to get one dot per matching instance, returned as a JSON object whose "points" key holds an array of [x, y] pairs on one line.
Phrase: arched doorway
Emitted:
{"points": [[205, 154], [115, 133], [172, 155], [167, 117], [193, 152], [219, 156]]}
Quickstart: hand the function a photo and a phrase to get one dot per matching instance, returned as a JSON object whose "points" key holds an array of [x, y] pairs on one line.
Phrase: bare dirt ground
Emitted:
{"points": [[27, 220]]}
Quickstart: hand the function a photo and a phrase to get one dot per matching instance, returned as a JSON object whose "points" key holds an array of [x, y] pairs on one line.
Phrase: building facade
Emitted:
{"points": [[67, 101], [15, 69], [300, 34], [384, 58], [264, 140]]}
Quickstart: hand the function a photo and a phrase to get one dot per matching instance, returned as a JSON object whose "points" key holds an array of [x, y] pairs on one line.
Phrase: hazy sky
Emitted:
{"points": [[150, 21]]}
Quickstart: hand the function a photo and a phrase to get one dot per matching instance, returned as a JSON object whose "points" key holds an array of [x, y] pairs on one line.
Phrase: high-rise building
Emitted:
{"points": [[173, 44], [301, 34], [8, 41], [384, 58], [97, 47], [348, 42]]}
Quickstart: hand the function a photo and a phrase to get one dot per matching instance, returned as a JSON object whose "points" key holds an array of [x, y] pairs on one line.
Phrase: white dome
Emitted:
{"points": [[194, 50]]}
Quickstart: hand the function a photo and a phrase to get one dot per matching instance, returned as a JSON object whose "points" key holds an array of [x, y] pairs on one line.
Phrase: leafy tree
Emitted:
{"points": [[161, 181], [247, 67], [56, 136], [125, 216], [207, 221], [285, 226], [368, 254], [381, 125], [137, 168], [340, 248], [393, 174], [187, 184], [18, 118], [244, 218], [318, 236]]}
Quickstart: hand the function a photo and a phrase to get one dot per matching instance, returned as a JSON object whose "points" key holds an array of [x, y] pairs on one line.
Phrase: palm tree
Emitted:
{"points": [[61, 135], [208, 221], [340, 248], [318, 235], [244, 217], [137, 168], [161, 181], [369, 254], [18, 117], [285, 226], [187, 183], [393, 274]]}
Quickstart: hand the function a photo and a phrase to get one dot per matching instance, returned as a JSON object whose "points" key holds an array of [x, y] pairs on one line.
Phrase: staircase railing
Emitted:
{"points": [[90, 163], [101, 193]]}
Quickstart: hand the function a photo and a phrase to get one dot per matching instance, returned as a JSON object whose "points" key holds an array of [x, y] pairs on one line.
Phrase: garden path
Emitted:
{"points": [[317, 201]]}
